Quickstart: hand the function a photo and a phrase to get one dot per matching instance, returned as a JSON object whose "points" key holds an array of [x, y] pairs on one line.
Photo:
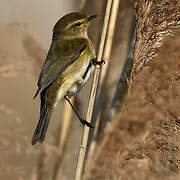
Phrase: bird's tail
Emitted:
{"points": [[40, 131]]}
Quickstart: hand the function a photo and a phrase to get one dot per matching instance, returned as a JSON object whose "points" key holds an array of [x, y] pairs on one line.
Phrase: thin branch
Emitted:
{"points": [[106, 56], [108, 46], [82, 151]]}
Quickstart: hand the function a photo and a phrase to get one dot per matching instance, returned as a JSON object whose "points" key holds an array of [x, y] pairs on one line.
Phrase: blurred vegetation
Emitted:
{"points": [[138, 132]]}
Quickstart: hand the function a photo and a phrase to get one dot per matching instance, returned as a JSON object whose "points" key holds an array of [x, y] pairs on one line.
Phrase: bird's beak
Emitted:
{"points": [[92, 17]]}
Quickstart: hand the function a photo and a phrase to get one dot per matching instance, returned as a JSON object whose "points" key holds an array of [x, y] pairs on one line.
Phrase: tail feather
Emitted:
{"points": [[40, 132]]}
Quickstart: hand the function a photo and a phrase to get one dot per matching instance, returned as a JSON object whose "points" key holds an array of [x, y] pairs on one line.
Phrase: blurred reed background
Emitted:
{"points": [[121, 140], [25, 33]]}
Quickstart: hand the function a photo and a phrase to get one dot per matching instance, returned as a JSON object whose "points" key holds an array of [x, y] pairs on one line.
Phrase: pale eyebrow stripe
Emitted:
{"points": [[74, 22]]}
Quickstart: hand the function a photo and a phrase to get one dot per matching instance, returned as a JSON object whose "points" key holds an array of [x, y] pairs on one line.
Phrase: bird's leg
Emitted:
{"points": [[93, 62], [84, 122]]}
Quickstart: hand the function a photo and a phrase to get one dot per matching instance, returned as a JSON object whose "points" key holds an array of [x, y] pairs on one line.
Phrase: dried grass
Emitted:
{"points": [[155, 19], [143, 142]]}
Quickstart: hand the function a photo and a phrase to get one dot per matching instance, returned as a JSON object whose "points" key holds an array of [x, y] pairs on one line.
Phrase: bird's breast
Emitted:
{"points": [[79, 81]]}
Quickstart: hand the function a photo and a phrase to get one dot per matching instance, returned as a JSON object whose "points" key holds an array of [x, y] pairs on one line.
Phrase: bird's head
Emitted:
{"points": [[72, 25]]}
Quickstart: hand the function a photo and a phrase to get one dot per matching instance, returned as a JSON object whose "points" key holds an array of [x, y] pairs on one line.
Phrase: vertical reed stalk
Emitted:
{"points": [[82, 151], [106, 56], [108, 45]]}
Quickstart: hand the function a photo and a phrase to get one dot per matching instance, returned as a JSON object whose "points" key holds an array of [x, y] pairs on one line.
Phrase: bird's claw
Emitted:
{"points": [[95, 62], [84, 122]]}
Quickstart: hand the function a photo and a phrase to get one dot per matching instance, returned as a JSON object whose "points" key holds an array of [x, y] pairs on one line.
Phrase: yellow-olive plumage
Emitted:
{"points": [[67, 66]]}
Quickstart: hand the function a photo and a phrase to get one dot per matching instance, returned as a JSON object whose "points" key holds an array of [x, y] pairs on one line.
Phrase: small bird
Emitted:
{"points": [[68, 65]]}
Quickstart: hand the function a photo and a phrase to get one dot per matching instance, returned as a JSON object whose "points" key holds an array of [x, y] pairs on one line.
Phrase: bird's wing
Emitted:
{"points": [[57, 61]]}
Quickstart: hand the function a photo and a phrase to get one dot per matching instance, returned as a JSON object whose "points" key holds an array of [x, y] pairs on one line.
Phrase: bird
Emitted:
{"points": [[69, 63]]}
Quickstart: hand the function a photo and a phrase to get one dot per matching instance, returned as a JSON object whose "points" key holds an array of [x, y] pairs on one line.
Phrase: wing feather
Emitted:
{"points": [[57, 61]]}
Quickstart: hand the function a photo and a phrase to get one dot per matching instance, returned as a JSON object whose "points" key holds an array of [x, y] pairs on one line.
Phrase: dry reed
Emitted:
{"points": [[143, 141], [82, 151], [106, 57]]}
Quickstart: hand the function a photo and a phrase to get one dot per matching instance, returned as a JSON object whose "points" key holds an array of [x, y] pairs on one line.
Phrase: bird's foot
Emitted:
{"points": [[95, 62], [84, 122]]}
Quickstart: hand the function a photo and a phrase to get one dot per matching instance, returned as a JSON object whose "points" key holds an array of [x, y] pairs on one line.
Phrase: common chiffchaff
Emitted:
{"points": [[67, 68]]}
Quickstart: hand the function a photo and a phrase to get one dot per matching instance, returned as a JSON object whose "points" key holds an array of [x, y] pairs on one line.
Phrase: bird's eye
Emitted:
{"points": [[78, 24]]}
